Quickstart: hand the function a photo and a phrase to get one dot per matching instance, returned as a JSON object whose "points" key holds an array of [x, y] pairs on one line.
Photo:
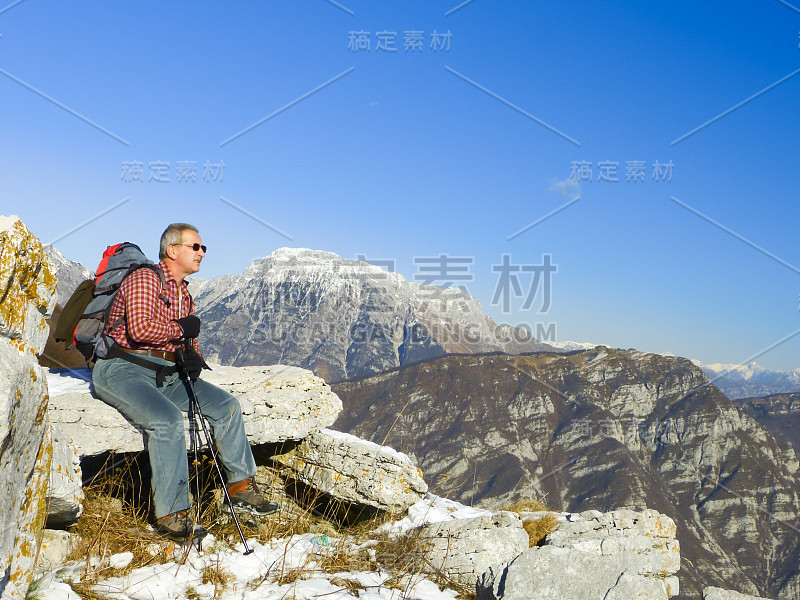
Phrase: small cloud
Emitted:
{"points": [[567, 188], [373, 104]]}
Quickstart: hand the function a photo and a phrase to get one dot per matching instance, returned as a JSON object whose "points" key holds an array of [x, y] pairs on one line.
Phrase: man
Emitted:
{"points": [[151, 323]]}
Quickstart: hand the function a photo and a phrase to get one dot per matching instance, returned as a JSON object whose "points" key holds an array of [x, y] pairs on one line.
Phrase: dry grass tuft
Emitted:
{"points": [[85, 592], [290, 576], [106, 528], [352, 587], [537, 529], [191, 594], [218, 576]]}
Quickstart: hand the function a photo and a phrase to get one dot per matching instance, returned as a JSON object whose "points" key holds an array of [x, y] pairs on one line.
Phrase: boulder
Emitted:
{"points": [[621, 555], [643, 541], [27, 288], [353, 470], [464, 549], [715, 593], [280, 403], [65, 493], [56, 546], [552, 573]]}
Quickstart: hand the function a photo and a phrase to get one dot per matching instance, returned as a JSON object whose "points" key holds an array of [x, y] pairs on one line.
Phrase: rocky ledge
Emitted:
{"points": [[280, 403], [620, 554]]}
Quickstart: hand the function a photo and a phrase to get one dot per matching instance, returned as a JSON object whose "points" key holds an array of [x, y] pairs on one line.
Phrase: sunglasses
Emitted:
{"points": [[195, 247]]}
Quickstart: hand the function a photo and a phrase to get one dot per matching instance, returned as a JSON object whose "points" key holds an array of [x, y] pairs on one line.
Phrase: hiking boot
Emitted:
{"points": [[179, 527], [246, 495]]}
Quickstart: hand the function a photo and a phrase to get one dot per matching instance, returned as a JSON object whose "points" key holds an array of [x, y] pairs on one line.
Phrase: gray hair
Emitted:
{"points": [[173, 236]]}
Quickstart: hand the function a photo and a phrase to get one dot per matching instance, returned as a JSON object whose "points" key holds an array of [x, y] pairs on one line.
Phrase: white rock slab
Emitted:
{"points": [[25, 455], [464, 549], [56, 546], [279, 403], [644, 541], [620, 555], [358, 471], [65, 493], [552, 573]]}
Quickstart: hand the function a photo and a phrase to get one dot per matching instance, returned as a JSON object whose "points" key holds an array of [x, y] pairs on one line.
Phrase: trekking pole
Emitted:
{"points": [[194, 407], [195, 446]]}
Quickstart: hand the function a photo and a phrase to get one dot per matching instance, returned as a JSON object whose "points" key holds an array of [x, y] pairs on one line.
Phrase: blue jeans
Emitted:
{"points": [[158, 412]]}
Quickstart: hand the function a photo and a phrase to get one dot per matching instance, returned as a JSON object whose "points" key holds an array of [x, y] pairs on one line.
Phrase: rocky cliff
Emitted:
{"points": [[778, 413], [27, 290], [341, 318], [599, 429]]}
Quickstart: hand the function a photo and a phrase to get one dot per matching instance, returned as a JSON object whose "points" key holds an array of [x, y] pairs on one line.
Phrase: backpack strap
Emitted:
{"points": [[163, 280], [131, 269], [110, 343], [162, 371]]}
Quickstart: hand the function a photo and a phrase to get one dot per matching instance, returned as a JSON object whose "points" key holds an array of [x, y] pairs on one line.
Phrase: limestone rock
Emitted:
{"points": [[27, 291], [644, 541], [715, 593], [621, 555], [25, 456], [27, 286], [552, 573], [354, 470], [279, 403], [65, 493], [56, 546], [464, 549]]}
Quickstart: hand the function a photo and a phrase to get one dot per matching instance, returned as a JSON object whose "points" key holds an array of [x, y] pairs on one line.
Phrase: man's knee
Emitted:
{"points": [[219, 401]]}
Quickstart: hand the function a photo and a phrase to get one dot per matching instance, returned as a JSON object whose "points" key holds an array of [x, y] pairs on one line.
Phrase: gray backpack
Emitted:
{"points": [[85, 315]]}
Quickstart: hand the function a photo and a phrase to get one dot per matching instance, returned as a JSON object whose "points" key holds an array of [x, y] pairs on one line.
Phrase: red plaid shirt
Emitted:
{"points": [[148, 321]]}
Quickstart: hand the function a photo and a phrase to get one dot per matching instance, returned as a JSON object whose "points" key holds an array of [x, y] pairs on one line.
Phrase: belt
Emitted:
{"points": [[155, 353]]}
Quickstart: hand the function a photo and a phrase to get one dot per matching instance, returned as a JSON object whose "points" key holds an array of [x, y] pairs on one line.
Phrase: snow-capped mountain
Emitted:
{"points": [[751, 380], [341, 318], [346, 318], [568, 346]]}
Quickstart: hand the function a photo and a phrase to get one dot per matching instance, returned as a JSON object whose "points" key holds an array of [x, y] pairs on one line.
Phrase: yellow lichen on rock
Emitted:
{"points": [[27, 286], [33, 507], [27, 297]]}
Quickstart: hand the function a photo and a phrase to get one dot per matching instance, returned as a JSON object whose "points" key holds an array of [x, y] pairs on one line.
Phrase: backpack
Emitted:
{"points": [[85, 315]]}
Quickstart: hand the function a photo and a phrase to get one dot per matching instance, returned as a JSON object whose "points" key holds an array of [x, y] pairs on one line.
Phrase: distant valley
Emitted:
{"points": [[599, 429]]}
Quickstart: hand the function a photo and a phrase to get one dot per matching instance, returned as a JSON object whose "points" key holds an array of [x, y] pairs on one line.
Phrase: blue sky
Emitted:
{"points": [[424, 152]]}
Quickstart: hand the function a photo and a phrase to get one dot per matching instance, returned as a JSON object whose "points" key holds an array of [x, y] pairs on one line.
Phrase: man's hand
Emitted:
{"points": [[190, 326], [190, 362]]}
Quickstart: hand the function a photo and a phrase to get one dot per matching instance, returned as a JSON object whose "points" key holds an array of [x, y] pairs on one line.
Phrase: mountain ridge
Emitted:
{"points": [[736, 381], [341, 318], [592, 429]]}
